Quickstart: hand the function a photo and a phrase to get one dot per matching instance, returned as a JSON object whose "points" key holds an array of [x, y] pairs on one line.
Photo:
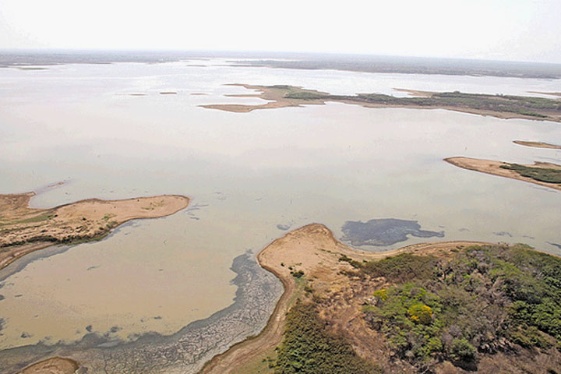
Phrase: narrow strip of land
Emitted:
{"points": [[547, 93], [500, 106], [24, 229], [537, 144], [55, 365], [541, 173]]}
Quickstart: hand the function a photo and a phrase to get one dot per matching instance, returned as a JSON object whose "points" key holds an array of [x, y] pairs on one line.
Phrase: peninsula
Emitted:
{"points": [[409, 310], [500, 106], [305, 259], [24, 229], [541, 173]]}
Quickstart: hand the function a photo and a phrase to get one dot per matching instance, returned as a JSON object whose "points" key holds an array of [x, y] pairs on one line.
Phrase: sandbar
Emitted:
{"points": [[24, 229], [547, 93], [537, 144], [275, 95], [496, 168]]}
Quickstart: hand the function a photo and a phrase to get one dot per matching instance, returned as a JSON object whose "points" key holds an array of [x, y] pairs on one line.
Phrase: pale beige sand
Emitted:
{"points": [[24, 229], [494, 168], [537, 144], [55, 365]]}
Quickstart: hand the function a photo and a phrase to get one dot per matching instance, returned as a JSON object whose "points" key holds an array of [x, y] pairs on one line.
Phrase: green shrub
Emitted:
{"points": [[429, 311], [309, 348]]}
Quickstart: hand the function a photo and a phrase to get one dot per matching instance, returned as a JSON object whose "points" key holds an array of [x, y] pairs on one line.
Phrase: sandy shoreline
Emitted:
{"points": [[313, 250], [275, 95], [24, 229], [537, 144], [494, 168]]}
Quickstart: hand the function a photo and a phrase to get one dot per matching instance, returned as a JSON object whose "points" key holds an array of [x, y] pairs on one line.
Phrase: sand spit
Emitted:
{"points": [[24, 229], [415, 93], [313, 250], [494, 168], [547, 93], [537, 144], [275, 95]]}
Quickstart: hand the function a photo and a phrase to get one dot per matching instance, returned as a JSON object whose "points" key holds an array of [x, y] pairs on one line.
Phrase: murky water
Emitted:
{"points": [[109, 133]]}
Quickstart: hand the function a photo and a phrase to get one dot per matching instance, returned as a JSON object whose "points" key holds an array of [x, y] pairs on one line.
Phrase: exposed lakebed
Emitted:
{"points": [[184, 351]]}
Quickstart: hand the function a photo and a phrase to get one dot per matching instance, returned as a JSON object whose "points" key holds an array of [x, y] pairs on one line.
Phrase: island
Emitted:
{"points": [[545, 174], [500, 106], [537, 144], [24, 229]]}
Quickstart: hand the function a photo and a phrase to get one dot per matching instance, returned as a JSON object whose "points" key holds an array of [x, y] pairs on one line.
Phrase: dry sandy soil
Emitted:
{"points": [[537, 144], [55, 365], [275, 98], [24, 229], [494, 168]]}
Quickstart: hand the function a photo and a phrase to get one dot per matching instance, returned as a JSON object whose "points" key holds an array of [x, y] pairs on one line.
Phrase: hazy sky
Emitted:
{"points": [[492, 29]]}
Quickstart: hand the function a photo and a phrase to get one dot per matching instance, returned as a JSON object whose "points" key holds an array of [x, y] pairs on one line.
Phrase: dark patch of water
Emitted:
{"points": [[384, 232]]}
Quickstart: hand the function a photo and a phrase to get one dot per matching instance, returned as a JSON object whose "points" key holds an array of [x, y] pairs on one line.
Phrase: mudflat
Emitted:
{"points": [[24, 229]]}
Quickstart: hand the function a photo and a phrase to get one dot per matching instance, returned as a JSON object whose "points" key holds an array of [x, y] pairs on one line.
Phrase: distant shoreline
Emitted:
{"points": [[13, 58]]}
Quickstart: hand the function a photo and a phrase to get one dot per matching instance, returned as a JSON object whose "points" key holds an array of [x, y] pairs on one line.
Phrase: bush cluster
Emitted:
{"points": [[482, 299], [309, 348]]}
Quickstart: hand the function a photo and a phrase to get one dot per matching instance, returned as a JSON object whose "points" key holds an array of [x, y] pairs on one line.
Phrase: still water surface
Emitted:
{"points": [[108, 133]]}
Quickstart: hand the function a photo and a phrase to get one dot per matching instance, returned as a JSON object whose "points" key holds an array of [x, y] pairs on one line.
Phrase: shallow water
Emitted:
{"points": [[247, 174]]}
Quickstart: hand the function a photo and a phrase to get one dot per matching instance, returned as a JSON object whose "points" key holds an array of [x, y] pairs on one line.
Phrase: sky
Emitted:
{"points": [[520, 30]]}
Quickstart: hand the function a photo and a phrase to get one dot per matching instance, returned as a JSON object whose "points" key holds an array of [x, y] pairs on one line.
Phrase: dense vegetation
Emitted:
{"points": [[482, 299], [548, 175], [309, 348], [523, 105]]}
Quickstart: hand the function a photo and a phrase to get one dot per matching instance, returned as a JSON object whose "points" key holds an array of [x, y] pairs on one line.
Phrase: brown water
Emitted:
{"points": [[246, 173]]}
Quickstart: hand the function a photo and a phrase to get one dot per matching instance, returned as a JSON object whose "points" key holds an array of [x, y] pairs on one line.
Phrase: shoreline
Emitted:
{"points": [[494, 168], [315, 251], [25, 230], [537, 144], [191, 346]]}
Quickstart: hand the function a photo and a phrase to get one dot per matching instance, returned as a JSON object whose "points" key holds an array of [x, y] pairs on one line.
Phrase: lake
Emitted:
{"points": [[107, 131]]}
